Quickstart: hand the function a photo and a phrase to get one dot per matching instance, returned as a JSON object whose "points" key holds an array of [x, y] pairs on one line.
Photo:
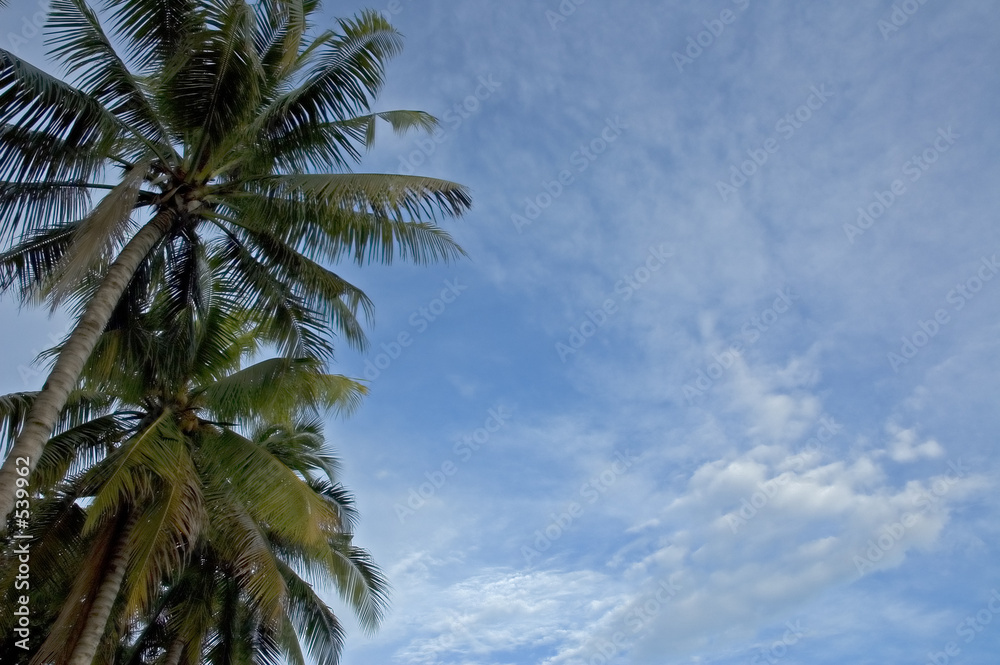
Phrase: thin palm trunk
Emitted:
{"points": [[100, 611], [44, 412], [175, 651]]}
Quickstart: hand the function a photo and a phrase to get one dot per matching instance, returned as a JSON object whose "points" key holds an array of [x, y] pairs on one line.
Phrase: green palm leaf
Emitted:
{"points": [[39, 111], [77, 39], [155, 30], [277, 390], [321, 630]]}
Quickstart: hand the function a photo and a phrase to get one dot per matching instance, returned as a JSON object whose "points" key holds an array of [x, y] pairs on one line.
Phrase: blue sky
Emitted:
{"points": [[717, 382]]}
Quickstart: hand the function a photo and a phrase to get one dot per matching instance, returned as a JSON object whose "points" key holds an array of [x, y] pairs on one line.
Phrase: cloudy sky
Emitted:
{"points": [[717, 382]]}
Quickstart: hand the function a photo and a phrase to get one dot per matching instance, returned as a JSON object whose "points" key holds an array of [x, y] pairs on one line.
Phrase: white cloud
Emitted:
{"points": [[501, 610], [798, 533], [903, 447]]}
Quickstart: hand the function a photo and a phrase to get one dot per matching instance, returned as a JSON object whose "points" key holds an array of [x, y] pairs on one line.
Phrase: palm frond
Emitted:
{"points": [[165, 533], [132, 473], [23, 205], [282, 317], [31, 264], [36, 104], [281, 27], [338, 496], [243, 548], [322, 291], [99, 233], [270, 491], [278, 389], [77, 449], [348, 72], [300, 446], [76, 38], [320, 630], [214, 87], [368, 217], [13, 409], [81, 407], [400, 121], [155, 30], [319, 146], [185, 276], [358, 581]]}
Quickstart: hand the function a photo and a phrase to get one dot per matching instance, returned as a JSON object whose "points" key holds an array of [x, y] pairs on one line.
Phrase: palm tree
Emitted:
{"points": [[186, 500], [208, 611], [227, 133]]}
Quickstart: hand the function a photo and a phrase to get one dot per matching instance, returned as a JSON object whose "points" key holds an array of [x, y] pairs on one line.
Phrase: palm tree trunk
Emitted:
{"points": [[175, 651], [104, 600], [44, 412]]}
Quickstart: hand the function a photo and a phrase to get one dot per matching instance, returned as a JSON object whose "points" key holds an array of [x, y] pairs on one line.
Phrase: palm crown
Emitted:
{"points": [[186, 501], [212, 137], [220, 133]]}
